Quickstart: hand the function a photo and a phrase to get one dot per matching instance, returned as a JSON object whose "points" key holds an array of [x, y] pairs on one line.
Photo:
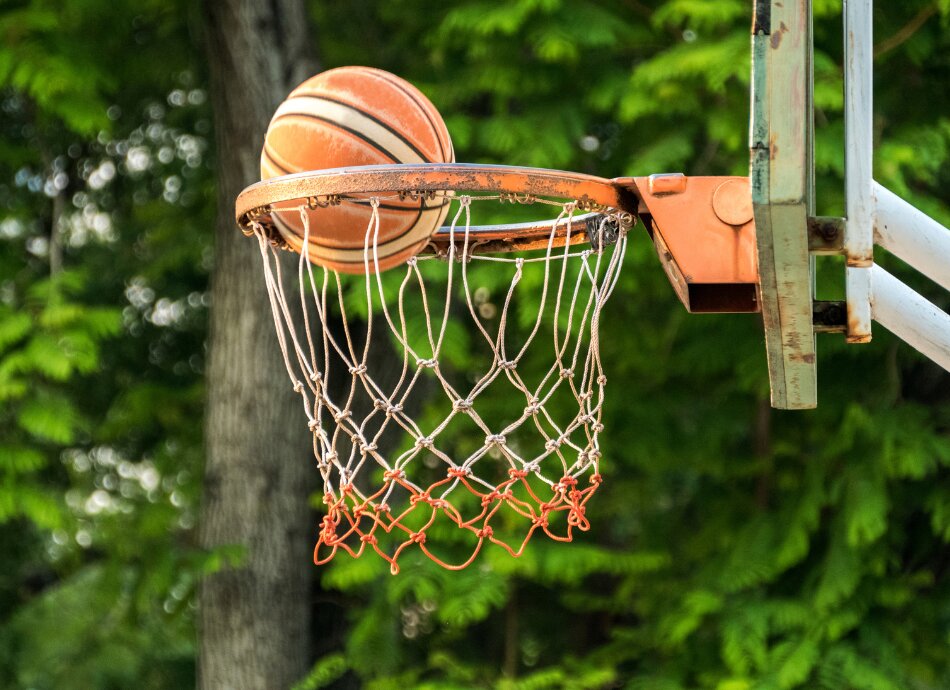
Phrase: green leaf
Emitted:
{"points": [[13, 327], [865, 506], [797, 666], [842, 572], [21, 459], [51, 418], [327, 670]]}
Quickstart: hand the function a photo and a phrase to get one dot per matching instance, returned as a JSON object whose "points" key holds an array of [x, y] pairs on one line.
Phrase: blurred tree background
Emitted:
{"points": [[733, 546]]}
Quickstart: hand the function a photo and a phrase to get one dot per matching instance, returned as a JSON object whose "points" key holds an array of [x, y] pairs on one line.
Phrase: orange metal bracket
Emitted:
{"points": [[704, 235]]}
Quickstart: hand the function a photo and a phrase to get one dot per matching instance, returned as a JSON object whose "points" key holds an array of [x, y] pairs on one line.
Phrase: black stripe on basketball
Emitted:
{"points": [[369, 116], [355, 133], [390, 79]]}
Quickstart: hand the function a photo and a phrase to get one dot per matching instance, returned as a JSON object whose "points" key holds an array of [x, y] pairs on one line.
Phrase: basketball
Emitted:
{"points": [[353, 116]]}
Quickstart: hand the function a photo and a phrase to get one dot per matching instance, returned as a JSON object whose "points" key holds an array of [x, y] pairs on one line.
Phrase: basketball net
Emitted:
{"points": [[404, 451]]}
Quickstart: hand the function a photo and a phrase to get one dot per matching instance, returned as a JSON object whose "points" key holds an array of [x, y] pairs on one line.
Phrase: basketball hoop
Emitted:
{"points": [[404, 452]]}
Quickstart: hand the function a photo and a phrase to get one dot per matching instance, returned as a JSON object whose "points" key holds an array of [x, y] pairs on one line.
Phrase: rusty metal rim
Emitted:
{"points": [[593, 193]]}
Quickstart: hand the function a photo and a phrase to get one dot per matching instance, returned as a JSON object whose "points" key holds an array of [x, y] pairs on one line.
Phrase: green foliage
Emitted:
{"points": [[733, 547], [97, 496]]}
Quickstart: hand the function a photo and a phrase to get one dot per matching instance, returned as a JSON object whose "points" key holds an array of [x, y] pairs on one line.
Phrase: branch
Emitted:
{"points": [[906, 32]]}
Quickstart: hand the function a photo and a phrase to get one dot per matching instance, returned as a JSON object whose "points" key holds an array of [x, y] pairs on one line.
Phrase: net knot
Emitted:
{"points": [[418, 537], [594, 454], [391, 475], [367, 448], [461, 405], [576, 517], [316, 376], [566, 373], [507, 365], [597, 428], [369, 539], [532, 466], [389, 408], [298, 386], [330, 457], [338, 417], [566, 482], [586, 395], [412, 261], [495, 440], [424, 442], [459, 472], [602, 380], [313, 424], [427, 363], [358, 370], [490, 498], [516, 198], [596, 479], [484, 532], [423, 497], [517, 474], [316, 202]]}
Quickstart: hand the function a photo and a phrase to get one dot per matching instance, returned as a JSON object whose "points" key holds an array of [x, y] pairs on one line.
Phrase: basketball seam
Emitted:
{"points": [[423, 106], [362, 112]]}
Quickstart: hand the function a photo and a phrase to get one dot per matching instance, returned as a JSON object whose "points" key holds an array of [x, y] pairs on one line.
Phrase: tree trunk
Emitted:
{"points": [[254, 619]]}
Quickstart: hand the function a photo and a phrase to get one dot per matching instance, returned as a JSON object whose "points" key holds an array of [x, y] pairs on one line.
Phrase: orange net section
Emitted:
{"points": [[502, 450], [352, 522]]}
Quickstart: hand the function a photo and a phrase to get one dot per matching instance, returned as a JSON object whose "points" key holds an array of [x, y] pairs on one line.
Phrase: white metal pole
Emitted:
{"points": [[910, 317], [859, 144], [909, 233]]}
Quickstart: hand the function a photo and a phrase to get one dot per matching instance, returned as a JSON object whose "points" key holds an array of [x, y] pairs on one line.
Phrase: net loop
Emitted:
{"points": [[404, 442]]}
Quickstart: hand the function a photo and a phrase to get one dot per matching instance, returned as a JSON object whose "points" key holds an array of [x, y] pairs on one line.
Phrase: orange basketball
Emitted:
{"points": [[357, 116]]}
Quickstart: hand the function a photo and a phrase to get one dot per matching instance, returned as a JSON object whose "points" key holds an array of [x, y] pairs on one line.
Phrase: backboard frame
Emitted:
{"points": [[782, 180]]}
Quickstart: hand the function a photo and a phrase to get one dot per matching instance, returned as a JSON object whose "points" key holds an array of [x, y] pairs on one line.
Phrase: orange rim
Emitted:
{"points": [[594, 195]]}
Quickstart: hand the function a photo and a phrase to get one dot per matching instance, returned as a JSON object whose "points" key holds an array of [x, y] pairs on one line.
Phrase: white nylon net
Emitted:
{"points": [[426, 395]]}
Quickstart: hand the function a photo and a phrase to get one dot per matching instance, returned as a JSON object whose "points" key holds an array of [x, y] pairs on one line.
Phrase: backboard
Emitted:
{"points": [[789, 235]]}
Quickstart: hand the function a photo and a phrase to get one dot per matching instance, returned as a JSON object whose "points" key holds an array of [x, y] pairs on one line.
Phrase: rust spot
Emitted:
{"points": [[809, 358], [776, 38]]}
